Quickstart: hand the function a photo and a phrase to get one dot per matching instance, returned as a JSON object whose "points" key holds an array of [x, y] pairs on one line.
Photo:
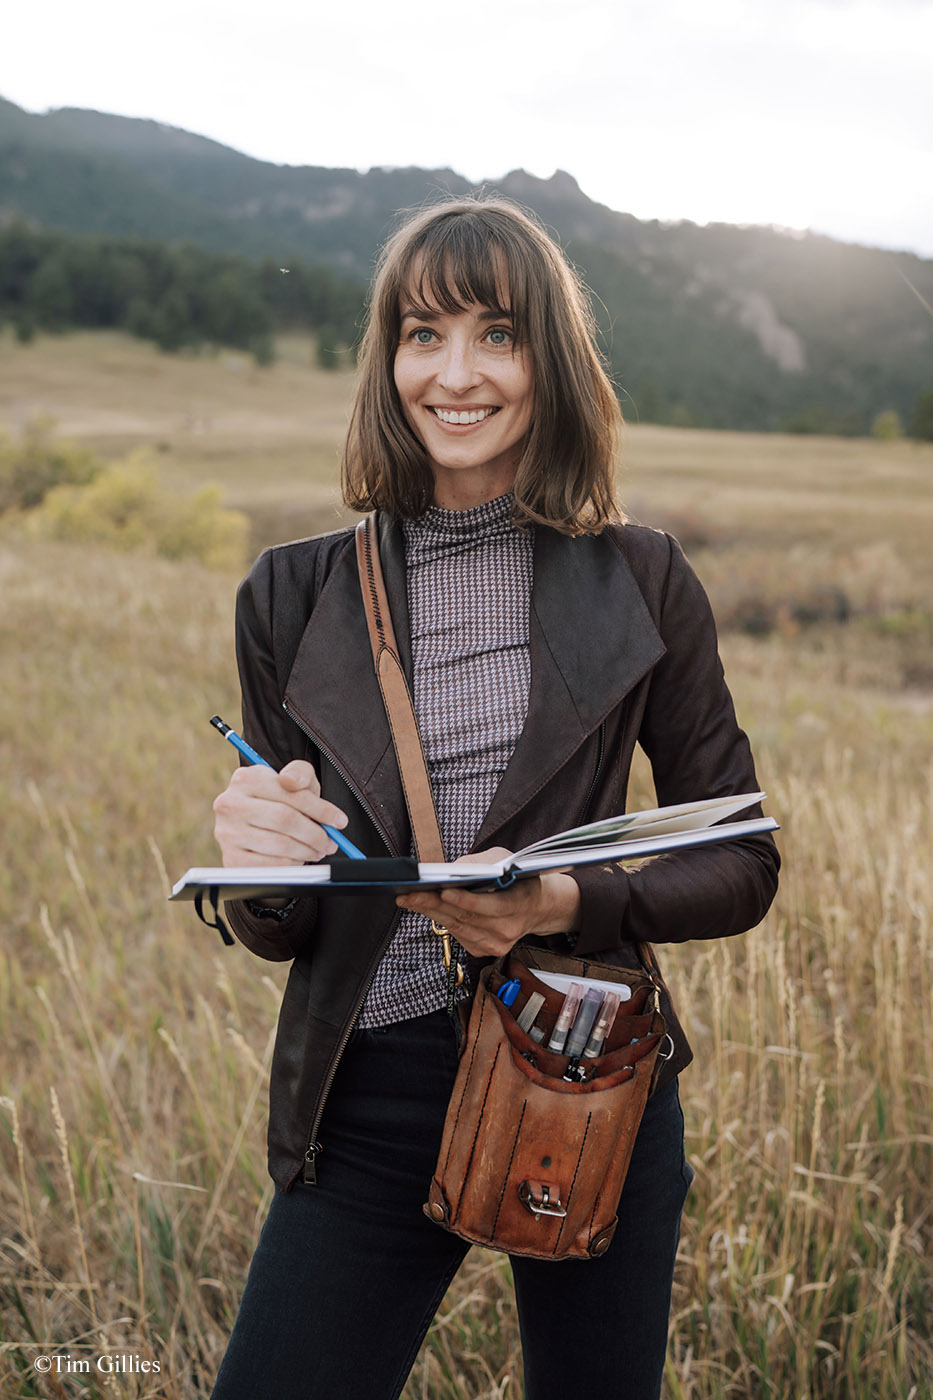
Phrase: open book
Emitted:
{"points": [[634, 836]]}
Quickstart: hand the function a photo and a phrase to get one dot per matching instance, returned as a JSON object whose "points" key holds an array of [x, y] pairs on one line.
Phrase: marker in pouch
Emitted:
{"points": [[564, 1020], [526, 1017], [583, 1023], [603, 1026]]}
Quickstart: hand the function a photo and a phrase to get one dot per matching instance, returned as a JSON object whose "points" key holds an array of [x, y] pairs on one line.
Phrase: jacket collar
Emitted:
{"points": [[591, 639]]}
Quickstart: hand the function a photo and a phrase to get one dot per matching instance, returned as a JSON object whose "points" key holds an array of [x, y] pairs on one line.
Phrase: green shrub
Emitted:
{"points": [[34, 463], [200, 526], [125, 508], [887, 426]]}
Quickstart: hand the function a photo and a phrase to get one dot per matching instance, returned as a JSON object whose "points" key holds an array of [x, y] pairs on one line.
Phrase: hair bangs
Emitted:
{"points": [[456, 264]]}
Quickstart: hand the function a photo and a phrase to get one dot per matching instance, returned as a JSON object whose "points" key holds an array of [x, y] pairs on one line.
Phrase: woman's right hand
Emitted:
{"points": [[268, 818]]}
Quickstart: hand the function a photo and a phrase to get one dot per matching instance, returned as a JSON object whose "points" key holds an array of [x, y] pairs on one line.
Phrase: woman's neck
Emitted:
{"points": [[462, 490]]}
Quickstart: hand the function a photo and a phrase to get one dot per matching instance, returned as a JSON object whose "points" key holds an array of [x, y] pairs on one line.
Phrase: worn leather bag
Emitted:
{"points": [[531, 1162]]}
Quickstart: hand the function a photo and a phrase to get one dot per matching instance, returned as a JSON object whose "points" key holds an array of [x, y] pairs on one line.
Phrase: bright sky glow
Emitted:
{"points": [[803, 113]]}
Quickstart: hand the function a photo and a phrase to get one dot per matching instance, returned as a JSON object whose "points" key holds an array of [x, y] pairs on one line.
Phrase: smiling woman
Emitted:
{"points": [[474, 308], [541, 639]]}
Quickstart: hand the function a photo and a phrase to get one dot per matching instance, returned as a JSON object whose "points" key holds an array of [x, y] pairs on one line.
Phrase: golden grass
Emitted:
{"points": [[136, 1048], [269, 436]]}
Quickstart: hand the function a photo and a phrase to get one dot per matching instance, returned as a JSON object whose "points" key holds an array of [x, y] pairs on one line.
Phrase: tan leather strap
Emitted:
{"points": [[396, 696]]}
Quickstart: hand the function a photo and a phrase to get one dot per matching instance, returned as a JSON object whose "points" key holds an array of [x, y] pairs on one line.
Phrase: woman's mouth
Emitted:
{"points": [[463, 415]]}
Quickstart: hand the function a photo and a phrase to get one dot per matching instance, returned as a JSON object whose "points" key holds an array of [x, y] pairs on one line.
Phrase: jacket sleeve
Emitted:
{"points": [[267, 728], [696, 749]]}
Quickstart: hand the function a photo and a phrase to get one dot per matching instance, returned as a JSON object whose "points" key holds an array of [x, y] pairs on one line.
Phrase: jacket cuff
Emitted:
{"points": [[604, 898], [277, 938]]}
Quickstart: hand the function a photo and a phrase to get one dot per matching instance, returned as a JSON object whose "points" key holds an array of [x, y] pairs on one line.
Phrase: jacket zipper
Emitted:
{"points": [[600, 752], [343, 774], [314, 1148]]}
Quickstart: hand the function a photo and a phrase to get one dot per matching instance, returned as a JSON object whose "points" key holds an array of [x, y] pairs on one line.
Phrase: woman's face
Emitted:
{"points": [[467, 392]]}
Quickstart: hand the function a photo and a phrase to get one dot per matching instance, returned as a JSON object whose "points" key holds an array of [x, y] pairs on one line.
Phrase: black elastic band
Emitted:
{"points": [[383, 870], [217, 922]]}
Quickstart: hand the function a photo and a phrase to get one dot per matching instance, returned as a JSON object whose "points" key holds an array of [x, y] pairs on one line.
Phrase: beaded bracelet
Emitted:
{"points": [[271, 911]]}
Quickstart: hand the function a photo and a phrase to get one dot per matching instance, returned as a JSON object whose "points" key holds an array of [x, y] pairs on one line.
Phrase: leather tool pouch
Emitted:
{"points": [[530, 1162]]}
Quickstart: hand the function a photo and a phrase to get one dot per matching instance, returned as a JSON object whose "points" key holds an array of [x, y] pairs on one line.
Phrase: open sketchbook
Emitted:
{"points": [[634, 836]]}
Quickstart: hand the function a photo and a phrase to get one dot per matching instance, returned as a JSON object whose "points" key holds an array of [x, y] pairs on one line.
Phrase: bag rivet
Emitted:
{"points": [[599, 1247], [437, 1211], [545, 1161]]}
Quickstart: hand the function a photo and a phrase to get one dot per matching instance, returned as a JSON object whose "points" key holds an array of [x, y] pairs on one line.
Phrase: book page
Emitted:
{"points": [[686, 816]]}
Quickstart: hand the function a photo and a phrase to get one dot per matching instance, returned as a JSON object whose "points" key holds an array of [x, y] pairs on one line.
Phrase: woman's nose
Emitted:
{"points": [[458, 371]]}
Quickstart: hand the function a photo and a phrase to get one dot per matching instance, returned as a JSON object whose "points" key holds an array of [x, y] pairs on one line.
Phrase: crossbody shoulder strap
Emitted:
{"points": [[404, 726], [396, 696]]}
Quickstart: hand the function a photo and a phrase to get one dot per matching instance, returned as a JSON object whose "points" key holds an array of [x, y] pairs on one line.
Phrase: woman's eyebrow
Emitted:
{"points": [[422, 313]]}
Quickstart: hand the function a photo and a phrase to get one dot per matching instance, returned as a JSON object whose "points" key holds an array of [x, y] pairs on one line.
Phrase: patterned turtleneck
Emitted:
{"points": [[469, 593]]}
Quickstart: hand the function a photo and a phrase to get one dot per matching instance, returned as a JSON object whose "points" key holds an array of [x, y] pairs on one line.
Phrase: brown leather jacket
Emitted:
{"points": [[623, 649]]}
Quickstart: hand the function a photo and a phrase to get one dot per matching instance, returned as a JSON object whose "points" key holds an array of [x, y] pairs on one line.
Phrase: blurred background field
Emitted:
{"points": [[136, 1048]]}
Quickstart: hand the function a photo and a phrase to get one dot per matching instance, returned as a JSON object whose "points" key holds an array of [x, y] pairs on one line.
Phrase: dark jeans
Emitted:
{"points": [[348, 1274]]}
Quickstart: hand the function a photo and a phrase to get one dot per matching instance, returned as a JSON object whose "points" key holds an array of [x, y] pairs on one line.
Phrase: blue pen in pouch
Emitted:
{"points": [[509, 991]]}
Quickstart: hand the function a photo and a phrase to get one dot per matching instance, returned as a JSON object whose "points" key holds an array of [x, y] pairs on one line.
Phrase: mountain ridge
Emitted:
{"points": [[718, 324]]}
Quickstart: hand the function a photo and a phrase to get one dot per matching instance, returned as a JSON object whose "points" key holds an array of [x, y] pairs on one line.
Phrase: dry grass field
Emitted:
{"points": [[136, 1048]]}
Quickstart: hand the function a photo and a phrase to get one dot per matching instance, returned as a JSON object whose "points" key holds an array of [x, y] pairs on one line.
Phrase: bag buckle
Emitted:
{"points": [[536, 1197]]}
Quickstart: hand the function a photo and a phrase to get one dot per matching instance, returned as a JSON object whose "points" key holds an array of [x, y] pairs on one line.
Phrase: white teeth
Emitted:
{"points": [[475, 415]]}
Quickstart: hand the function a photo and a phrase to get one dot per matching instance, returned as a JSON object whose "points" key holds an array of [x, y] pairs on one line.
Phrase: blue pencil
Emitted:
{"points": [[252, 756]]}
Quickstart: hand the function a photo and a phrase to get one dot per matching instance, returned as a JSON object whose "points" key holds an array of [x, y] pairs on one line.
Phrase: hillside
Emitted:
{"points": [[717, 326]]}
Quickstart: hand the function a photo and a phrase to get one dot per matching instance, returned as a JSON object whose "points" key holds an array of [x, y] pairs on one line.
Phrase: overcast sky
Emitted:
{"points": [[804, 113]]}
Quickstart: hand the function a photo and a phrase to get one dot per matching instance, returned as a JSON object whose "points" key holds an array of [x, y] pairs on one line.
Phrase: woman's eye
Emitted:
{"points": [[422, 336], [499, 336]]}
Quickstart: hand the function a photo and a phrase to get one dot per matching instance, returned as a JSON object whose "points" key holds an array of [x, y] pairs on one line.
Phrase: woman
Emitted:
{"points": [[543, 638]]}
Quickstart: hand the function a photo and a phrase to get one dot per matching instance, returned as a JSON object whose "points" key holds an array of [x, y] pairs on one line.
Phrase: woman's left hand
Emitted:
{"points": [[488, 925]]}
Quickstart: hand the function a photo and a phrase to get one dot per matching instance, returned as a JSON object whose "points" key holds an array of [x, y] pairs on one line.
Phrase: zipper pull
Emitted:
{"points": [[309, 1170]]}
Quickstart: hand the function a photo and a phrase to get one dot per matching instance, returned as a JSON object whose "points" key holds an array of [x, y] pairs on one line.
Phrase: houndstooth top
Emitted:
{"points": [[469, 593]]}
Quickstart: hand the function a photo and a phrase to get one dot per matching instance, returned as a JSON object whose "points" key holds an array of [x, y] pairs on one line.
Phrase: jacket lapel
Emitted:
{"points": [[333, 691], [592, 639]]}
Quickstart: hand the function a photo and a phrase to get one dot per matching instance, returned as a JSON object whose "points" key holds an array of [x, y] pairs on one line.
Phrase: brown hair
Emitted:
{"points": [[488, 251]]}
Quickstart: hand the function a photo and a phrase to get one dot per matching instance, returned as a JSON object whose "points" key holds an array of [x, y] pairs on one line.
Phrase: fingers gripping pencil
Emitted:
{"points": [[251, 756]]}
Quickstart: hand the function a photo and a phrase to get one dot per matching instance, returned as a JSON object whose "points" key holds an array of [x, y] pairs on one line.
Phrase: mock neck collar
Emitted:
{"points": [[461, 524]]}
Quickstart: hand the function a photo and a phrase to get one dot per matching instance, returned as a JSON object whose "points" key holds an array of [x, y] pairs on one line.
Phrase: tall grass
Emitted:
{"points": [[806, 1259]]}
